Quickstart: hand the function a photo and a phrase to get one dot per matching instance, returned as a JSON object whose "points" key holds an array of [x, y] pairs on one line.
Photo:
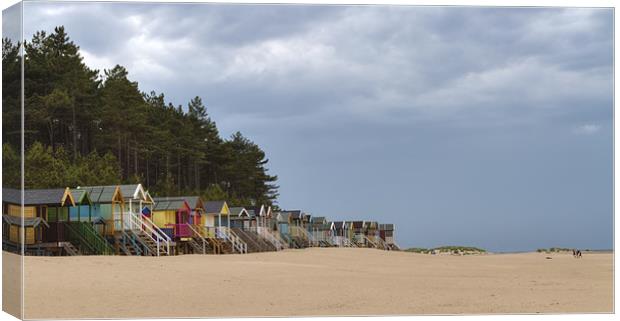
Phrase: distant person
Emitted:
{"points": [[578, 254], [574, 253]]}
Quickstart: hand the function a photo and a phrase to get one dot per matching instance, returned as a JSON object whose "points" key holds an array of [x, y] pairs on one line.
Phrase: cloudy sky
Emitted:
{"points": [[488, 127]]}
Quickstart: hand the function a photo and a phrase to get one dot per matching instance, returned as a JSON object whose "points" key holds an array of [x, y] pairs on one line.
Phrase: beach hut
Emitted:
{"points": [[216, 220], [244, 223], [216, 215], [31, 233], [320, 231], [107, 206], [198, 208], [191, 232], [306, 222], [348, 236], [371, 232], [55, 222], [386, 233], [258, 215], [271, 220], [126, 211], [283, 221], [336, 232], [240, 218], [296, 232], [357, 233], [172, 216]]}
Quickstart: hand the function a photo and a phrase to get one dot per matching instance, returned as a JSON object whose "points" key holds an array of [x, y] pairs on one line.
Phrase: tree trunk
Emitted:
{"points": [[135, 159], [74, 132], [120, 162]]}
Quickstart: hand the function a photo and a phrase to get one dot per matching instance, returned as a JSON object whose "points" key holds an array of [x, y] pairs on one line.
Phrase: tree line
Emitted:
{"points": [[84, 127]]}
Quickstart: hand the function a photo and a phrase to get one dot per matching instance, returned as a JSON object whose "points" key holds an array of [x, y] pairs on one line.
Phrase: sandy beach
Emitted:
{"points": [[315, 281]]}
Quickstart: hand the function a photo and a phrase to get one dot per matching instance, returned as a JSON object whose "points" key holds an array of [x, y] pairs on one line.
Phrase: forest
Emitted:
{"points": [[88, 127]]}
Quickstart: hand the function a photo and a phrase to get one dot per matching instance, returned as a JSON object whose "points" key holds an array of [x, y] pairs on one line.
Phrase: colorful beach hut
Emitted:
{"points": [[240, 218], [126, 211], [52, 222], [216, 215], [172, 216]]}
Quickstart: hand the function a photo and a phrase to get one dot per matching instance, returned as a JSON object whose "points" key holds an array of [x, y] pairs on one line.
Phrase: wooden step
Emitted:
{"points": [[70, 249]]}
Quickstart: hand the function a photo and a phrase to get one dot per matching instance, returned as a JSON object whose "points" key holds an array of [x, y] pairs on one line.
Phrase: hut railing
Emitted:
{"points": [[369, 241], [347, 242], [337, 240], [264, 232], [209, 231], [226, 233], [209, 234], [196, 235], [301, 232], [380, 243], [97, 243], [140, 222]]}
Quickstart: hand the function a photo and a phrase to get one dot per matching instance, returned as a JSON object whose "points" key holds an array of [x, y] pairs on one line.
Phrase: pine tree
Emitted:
{"points": [[85, 129]]}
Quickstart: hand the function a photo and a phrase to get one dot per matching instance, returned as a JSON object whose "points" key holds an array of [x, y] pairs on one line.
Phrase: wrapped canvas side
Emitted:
{"points": [[14, 231]]}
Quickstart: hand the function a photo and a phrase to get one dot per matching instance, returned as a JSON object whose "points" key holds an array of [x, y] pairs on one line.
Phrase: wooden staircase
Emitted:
{"points": [[145, 236], [380, 244], [83, 236], [129, 249], [129, 244], [369, 242], [300, 237], [149, 244], [253, 246], [70, 249], [347, 242], [226, 247], [254, 240], [272, 238], [226, 235], [200, 244]]}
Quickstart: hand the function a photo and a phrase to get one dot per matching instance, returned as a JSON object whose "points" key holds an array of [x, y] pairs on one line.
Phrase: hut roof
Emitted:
{"points": [[28, 221], [163, 204], [33, 196], [100, 194], [283, 216], [386, 227], [357, 224], [214, 206], [238, 211], [294, 214], [104, 194], [194, 202], [256, 210], [339, 225], [80, 196]]}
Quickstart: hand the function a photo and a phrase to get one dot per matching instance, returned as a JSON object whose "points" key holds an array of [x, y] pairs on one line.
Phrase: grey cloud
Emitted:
{"points": [[402, 103], [12, 23], [354, 57]]}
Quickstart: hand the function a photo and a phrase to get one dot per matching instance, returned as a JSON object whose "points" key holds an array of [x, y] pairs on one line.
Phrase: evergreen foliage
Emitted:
{"points": [[83, 127]]}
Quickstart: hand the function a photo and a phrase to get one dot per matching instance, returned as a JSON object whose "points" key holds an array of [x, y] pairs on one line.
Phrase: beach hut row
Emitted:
{"points": [[127, 220]]}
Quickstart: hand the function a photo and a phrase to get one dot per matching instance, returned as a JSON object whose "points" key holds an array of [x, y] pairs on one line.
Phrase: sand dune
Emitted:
{"points": [[315, 282]]}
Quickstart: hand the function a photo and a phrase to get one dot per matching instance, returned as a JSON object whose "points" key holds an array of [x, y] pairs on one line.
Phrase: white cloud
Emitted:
{"points": [[379, 63], [587, 129]]}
